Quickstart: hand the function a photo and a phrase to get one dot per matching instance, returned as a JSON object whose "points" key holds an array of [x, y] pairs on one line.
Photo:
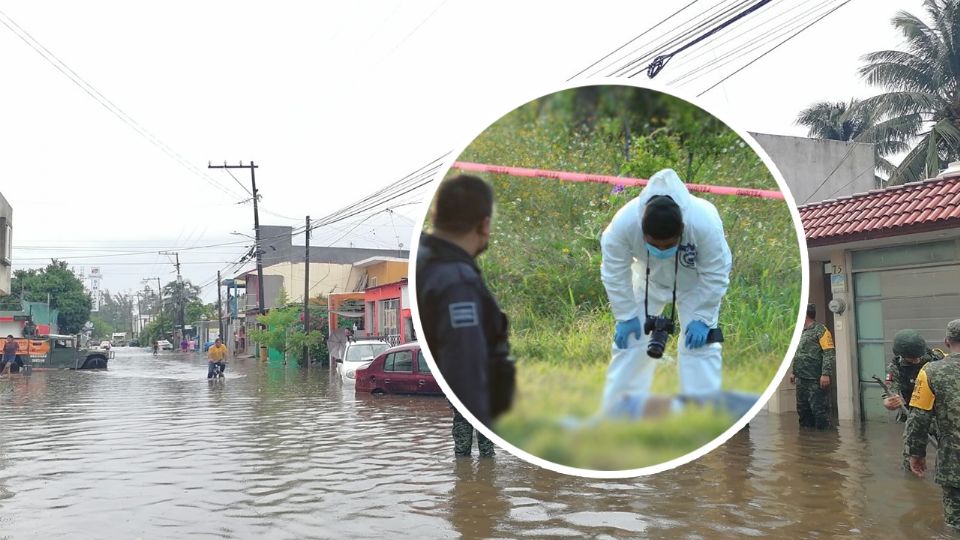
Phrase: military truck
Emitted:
{"points": [[59, 352]]}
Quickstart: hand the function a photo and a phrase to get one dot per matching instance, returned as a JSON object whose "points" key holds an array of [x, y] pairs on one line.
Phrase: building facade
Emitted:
{"points": [[884, 261]]}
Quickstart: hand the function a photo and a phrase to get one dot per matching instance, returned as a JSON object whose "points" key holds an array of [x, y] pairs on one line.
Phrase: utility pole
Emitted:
{"points": [[306, 296], [220, 309], [180, 307], [256, 226]]}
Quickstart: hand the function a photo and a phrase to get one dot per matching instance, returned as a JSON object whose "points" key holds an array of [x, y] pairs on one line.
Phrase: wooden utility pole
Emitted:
{"points": [[306, 295], [220, 309]]}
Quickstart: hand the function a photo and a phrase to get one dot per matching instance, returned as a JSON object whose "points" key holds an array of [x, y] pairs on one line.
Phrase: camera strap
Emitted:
{"points": [[646, 287]]}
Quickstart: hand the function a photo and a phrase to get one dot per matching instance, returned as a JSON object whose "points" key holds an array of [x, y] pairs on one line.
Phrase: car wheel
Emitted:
{"points": [[95, 362]]}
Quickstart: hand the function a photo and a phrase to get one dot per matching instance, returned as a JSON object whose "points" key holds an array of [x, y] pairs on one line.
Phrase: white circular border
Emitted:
{"points": [[706, 448]]}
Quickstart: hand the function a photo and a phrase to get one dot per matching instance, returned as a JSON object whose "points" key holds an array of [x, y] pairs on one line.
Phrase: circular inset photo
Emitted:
{"points": [[608, 281]]}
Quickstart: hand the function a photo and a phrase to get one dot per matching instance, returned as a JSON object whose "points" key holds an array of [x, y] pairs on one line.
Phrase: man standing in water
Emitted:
{"points": [[910, 355], [936, 398], [813, 367], [463, 326], [9, 355]]}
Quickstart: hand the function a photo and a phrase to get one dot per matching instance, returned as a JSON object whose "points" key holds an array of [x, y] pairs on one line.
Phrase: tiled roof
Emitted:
{"points": [[915, 207]]}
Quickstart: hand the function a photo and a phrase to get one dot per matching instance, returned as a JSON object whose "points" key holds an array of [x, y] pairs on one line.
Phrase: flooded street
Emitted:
{"points": [[150, 449]]}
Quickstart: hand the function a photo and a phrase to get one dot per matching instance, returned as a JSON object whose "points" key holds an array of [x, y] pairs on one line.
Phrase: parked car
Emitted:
{"points": [[399, 370], [358, 354], [165, 345]]}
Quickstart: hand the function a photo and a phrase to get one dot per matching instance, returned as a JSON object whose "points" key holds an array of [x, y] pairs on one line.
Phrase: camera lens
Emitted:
{"points": [[658, 341]]}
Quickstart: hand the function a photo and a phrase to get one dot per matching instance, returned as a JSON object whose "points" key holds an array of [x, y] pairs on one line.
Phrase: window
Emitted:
{"points": [[401, 361], [389, 317], [422, 363]]}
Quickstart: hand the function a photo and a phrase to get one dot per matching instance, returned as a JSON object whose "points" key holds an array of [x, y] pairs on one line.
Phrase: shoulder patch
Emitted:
{"points": [[463, 314], [923, 397], [826, 340]]}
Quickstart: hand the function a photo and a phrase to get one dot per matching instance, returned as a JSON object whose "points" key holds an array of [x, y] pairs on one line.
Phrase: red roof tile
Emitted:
{"points": [[932, 204]]}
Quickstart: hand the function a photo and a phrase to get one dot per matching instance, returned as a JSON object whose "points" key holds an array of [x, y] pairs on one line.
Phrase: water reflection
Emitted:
{"points": [[152, 449]]}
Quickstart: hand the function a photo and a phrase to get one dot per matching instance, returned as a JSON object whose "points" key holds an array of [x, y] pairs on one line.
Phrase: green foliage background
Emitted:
{"points": [[544, 264]]}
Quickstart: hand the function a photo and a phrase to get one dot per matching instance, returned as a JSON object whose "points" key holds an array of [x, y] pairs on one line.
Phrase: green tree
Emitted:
{"points": [[67, 294], [921, 86], [159, 328], [857, 121], [101, 328], [284, 330]]}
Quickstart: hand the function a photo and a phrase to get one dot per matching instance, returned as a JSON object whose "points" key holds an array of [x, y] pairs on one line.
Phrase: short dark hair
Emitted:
{"points": [[812, 311], [662, 218], [462, 203], [9, 336]]}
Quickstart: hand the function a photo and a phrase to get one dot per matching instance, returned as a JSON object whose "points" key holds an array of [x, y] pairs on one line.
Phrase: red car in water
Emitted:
{"points": [[398, 370]]}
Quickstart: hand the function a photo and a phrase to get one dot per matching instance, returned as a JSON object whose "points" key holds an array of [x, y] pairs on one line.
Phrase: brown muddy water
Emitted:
{"points": [[150, 449]]}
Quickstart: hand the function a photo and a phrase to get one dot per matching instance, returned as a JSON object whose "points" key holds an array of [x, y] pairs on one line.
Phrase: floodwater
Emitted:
{"points": [[151, 449]]}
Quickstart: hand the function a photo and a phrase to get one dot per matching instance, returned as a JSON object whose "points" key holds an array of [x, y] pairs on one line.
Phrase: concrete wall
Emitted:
{"points": [[806, 163], [386, 272], [6, 252], [848, 169], [324, 278]]}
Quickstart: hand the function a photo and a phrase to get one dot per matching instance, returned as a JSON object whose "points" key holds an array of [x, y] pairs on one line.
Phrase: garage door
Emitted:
{"points": [[922, 298]]}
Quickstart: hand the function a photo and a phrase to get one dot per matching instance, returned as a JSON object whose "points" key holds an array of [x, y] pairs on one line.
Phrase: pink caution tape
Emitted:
{"points": [[605, 179]]}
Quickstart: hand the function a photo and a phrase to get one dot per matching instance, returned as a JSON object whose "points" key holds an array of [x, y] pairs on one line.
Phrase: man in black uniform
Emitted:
{"points": [[464, 328]]}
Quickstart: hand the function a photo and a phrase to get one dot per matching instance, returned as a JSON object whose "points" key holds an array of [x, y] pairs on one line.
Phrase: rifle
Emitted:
{"points": [[903, 408]]}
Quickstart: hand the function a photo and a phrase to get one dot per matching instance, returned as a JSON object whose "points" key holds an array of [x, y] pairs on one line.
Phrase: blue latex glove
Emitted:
{"points": [[697, 334], [624, 328]]}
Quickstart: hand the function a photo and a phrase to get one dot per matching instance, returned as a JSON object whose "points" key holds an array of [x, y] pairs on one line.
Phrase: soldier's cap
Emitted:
{"points": [[812, 311], [909, 344], [953, 331]]}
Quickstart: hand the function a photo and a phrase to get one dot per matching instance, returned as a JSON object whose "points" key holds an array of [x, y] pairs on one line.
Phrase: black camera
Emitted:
{"points": [[660, 328]]}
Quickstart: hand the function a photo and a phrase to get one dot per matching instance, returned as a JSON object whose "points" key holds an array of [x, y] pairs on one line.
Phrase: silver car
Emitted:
{"points": [[358, 355]]}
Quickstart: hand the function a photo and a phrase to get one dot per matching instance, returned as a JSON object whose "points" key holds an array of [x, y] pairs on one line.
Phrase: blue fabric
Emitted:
{"points": [[697, 334], [662, 253], [624, 328]]}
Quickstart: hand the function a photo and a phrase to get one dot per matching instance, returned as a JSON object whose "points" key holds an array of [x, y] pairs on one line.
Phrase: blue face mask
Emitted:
{"points": [[661, 253]]}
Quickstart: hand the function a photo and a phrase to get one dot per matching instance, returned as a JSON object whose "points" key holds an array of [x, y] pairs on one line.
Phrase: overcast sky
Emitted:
{"points": [[332, 100]]}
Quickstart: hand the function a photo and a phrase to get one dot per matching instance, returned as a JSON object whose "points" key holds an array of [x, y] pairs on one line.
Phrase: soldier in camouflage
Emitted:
{"points": [[936, 398], [813, 367], [911, 353], [463, 438]]}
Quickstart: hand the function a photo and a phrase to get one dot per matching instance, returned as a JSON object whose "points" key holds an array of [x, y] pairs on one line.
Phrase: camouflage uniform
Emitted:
{"points": [[936, 398], [463, 438], [815, 356], [902, 375]]}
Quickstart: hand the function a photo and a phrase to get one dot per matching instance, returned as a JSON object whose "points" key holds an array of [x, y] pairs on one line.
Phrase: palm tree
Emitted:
{"points": [[921, 84], [856, 121]]}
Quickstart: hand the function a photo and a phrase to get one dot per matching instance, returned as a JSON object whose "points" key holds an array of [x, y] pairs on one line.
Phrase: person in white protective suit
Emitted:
{"points": [[662, 245]]}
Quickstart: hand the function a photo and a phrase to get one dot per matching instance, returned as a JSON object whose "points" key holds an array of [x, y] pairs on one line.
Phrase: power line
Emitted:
{"points": [[696, 24], [645, 32], [753, 44], [91, 91], [660, 61], [774, 48]]}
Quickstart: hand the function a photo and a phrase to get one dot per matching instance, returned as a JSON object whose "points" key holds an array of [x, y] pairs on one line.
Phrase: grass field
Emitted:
{"points": [[544, 267]]}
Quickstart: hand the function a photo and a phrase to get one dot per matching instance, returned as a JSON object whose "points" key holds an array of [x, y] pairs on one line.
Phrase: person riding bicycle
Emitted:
{"points": [[217, 359]]}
